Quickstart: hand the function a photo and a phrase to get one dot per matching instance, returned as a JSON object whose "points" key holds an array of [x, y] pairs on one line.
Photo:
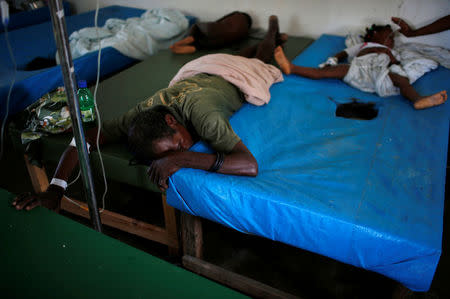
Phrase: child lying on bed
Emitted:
{"points": [[373, 68], [196, 106]]}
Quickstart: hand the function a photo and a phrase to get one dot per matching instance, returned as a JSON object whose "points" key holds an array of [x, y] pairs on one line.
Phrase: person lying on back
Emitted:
{"points": [[373, 67]]}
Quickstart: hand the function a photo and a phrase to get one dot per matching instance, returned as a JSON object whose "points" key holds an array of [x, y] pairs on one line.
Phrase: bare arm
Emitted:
{"points": [[440, 25], [341, 56], [51, 198], [239, 161], [69, 159]]}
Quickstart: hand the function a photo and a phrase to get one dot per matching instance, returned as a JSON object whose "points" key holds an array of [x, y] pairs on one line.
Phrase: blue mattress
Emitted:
{"points": [[367, 193], [32, 17], [38, 41]]}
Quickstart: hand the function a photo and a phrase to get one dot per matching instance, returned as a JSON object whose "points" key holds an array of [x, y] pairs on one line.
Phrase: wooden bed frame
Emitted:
{"points": [[167, 235], [190, 236]]}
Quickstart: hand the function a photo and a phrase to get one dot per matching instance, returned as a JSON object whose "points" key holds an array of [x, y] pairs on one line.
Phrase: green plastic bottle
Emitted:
{"points": [[86, 99]]}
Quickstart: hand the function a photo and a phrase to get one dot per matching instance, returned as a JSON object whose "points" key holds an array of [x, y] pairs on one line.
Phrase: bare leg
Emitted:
{"points": [[265, 49], [334, 72], [419, 102], [249, 52], [282, 39]]}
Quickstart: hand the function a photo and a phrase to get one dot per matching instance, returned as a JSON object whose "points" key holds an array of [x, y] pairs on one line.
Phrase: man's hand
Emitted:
{"points": [[404, 27], [51, 199], [239, 161], [160, 170]]}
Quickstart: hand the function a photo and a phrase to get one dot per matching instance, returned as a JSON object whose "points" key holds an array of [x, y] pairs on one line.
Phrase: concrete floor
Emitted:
{"points": [[292, 270]]}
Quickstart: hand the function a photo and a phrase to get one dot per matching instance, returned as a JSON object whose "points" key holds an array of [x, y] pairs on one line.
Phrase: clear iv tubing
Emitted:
{"points": [[99, 123]]}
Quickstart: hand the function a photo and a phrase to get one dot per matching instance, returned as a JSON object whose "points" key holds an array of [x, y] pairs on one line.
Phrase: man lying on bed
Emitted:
{"points": [[196, 105]]}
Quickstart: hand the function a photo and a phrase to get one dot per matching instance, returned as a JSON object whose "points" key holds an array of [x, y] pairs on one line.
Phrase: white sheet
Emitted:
{"points": [[137, 38]]}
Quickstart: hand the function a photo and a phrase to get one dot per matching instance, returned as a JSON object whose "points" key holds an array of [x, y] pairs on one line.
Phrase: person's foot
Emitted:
{"points": [[431, 101], [183, 49], [281, 39], [282, 60], [185, 41]]}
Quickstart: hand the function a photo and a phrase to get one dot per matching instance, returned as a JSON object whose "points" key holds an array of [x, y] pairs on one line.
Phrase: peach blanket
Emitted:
{"points": [[252, 76]]}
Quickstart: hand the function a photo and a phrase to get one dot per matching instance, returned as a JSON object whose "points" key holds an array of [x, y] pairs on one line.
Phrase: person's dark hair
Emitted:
{"points": [[370, 31], [146, 127]]}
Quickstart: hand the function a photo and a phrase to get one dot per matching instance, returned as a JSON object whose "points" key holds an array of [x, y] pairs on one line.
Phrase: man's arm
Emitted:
{"points": [[239, 161], [51, 198], [440, 25]]}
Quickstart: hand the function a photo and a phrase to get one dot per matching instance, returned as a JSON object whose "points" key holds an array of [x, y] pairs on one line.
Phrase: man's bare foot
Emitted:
{"points": [[183, 49], [185, 41], [282, 60], [431, 101]]}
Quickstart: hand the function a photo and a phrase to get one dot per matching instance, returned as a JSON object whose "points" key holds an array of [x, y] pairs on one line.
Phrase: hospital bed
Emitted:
{"points": [[32, 17], [117, 95], [369, 193], [67, 259], [37, 41]]}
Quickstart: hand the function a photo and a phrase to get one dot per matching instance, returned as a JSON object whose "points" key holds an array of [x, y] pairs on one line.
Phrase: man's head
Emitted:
{"points": [[155, 132], [381, 34]]}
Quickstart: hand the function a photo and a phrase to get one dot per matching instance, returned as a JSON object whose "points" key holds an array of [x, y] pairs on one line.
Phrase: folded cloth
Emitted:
{"points": [[252, 76]]}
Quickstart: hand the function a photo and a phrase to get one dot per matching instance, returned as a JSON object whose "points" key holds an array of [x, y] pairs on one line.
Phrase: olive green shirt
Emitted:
{"points": [[202, 103]]}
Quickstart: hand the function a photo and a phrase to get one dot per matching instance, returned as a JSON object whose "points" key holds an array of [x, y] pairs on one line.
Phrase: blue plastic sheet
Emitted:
{"points": [[32, 17], [38, 41], [369, 193]]}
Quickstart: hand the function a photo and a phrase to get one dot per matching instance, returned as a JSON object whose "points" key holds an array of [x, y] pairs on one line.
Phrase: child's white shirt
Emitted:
{"points": [[354, 50]]}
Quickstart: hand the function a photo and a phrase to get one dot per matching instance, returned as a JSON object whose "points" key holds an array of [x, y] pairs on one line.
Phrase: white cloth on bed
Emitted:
{"points": [[370, 72], [354, 50], [137, 38], [252, 76]]}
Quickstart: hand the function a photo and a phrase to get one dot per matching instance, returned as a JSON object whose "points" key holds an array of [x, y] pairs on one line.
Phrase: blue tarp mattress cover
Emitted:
{"points": [[369, 193]]}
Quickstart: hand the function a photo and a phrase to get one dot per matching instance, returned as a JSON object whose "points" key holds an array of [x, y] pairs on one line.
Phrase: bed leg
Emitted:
{"points": [[192, 235], [38, 176], [170, 225]]}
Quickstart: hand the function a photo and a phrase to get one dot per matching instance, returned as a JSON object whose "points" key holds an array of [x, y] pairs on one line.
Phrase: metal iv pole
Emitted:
{"points": [[65, 57]]}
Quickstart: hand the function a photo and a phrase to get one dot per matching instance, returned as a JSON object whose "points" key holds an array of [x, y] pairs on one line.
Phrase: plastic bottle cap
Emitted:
{"points": [[82, 84]]}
